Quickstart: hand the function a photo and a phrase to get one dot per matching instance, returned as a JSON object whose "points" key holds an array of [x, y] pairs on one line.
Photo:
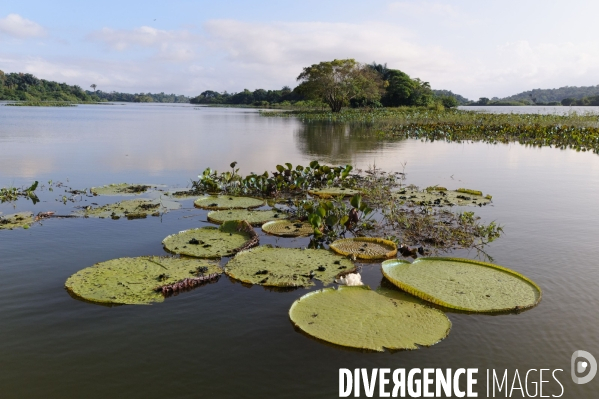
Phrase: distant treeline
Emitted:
{"points": [[448, 93], [26, 87], [585, 101], [540, 96], [139, 97], [259, 97]]}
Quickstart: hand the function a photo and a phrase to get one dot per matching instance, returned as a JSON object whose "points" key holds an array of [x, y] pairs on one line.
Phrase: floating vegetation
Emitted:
{"points": [[11, 194], [287, 267], [288, 228], [121, 189], [41, 104], [213, 242], [255, 218], [218, 202], [131, 209], [358, 317], [438, 196], [367, 248], [464, 284], [141, 280], [16, 220], [330, 192]]}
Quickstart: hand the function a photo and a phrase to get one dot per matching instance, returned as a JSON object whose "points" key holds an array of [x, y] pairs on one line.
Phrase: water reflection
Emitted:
{"points": [[335, 142]]}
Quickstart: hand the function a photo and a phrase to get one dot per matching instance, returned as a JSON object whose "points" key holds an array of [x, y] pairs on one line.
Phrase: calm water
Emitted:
{"points": [[228, 341]]}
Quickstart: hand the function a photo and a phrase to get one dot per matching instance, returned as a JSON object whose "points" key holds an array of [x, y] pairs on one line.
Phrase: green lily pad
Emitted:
{"points": [[255, 218], [358, 317], [437, 196], [463, 284], [287, 228], [121, 189], [217, 202], [368, 248], [287, 267], [213, 242], [136, 281], [15, 220], [329, 192], [131, 209]]}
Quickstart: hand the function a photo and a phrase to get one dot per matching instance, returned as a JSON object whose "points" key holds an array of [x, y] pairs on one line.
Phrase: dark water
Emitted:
{"points": [[227, 341]]}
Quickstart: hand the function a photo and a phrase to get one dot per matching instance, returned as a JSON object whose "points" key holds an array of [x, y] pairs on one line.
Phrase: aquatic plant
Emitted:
{"points": [[253, 217], [288, 228], [331, 192], [358, 317], [287, 267], [121, 189], [140, 280], [440, 196], [11, 194], [464, 284], [367, 248], [15, 220], [213, 242], [219, 202], [130, 209]]}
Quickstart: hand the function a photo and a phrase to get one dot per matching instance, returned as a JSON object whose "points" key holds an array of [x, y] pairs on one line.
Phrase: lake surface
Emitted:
{"points": [[225, 340]]}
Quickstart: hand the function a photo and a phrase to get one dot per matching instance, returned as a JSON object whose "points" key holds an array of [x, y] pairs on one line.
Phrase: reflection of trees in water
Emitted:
{"points": [[336, 142]]}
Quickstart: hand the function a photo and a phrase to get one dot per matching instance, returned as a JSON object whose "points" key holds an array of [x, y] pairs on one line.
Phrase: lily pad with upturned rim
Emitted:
{"points": [[358, 317], [121, 189], [134, 281], [15, 220], [329, 192], [213, 242], [368, 248], [255, 218], [219, 202], [287, 267], [288, 228], [464, 284]]}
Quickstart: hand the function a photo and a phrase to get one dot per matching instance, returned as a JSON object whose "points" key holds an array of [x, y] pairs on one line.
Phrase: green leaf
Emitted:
{"points": [[289, 166], [321, 211], [314, 164], [356, 200], [344, 220], [331, 220], [280, 168]]}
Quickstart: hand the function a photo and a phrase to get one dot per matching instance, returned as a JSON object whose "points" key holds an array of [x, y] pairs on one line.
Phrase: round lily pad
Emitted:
{"points": [[216, 202], [287, 228], [329, 192], [463, 284], [15, 220], [368, 248], [358, 317], [213, 242], [438, 196], [287, 267], [255, 218], [138, 280], [121, 189], [131, 209]]}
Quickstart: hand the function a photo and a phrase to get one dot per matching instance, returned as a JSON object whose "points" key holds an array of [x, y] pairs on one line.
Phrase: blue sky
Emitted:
{"points": [[474, 48]]}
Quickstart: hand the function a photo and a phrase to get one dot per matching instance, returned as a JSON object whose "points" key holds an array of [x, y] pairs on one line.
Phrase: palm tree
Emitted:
{"points": [[93, 86]]}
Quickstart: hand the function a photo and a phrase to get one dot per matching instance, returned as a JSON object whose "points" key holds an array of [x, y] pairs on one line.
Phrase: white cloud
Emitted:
{"points": [[16, 26], [171, 45]]}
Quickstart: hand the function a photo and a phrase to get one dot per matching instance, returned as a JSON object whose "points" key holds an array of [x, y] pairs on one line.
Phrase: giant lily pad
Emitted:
{"points": [[216, 202], [464, 284], [329, 192], [138, 280], [287, 267], [21, 219], [439, 196], [131, 209], [255, 218], [213, 242], [121, 189], [358, 317], [287, 228], [367, 248]]}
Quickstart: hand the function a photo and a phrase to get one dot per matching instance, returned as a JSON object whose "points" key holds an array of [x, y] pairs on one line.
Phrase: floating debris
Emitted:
{"points": [[352, 279]]}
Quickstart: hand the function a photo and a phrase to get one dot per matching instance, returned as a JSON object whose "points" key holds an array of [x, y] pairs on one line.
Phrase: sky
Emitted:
{"points": [[474, 48]]}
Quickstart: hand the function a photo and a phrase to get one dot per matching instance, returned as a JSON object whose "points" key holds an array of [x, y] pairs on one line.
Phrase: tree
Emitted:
{"points": [[339, 81], [93, 86], [449, 101]]}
